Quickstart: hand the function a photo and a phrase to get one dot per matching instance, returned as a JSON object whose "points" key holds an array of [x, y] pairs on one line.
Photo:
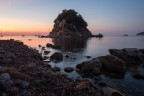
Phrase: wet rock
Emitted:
{"points": [[39, 45], [57, 56], [43, 48], [67, 56], [112, 64], [56, 69], [24, 84], [5, 76], [129, 55], [137, 75], [111, 92], [88, 57], [46, 52], [90, 67], [68, 69], [48, 45]]}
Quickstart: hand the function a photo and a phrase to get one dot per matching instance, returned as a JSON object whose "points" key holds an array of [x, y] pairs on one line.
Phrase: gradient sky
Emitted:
{"points": [[103, 16]]}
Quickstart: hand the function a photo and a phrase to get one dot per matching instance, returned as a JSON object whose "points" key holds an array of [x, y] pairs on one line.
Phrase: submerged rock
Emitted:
{"points": [[68, 69]]}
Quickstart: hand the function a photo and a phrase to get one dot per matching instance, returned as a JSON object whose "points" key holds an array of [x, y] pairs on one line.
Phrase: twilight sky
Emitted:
{"points": [[109, 17]]}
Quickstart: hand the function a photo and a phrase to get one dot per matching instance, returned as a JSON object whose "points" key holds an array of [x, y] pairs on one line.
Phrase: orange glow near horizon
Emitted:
{"points": [[11, 26]]}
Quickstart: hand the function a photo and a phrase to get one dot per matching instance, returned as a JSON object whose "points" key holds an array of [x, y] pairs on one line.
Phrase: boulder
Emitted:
{"points": [[129, 55], [112, 64], [90, 67], [68, 69], [57, 56], [48, 45]]}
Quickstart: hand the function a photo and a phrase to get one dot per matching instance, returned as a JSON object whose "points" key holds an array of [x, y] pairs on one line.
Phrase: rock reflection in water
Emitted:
{"points": [[70, 44]]}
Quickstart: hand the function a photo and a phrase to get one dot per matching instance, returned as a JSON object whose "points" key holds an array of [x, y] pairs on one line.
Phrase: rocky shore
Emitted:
{"points": [[22, 73]]}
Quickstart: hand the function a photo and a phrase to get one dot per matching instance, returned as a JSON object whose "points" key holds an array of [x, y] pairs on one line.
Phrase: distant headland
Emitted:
{"points": [[141, 33]]}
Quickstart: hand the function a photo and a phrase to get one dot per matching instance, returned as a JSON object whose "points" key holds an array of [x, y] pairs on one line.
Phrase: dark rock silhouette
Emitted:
{"points": [[99, 35], [141, 33], [70, 24]]}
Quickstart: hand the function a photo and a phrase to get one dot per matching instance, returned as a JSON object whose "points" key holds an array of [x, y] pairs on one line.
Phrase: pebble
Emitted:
{"points": [[24, 84], [5, 76]]}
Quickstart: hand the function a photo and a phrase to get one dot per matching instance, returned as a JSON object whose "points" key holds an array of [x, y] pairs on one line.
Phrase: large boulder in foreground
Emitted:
{"points": [[129, 55], [112, 63], [70, 24], [90, 67]]}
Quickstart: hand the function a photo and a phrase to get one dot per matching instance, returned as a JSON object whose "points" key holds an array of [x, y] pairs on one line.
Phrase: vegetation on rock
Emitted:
{"points": [[70, 24]]}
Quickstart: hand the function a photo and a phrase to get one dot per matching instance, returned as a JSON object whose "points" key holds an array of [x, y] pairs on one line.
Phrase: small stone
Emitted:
{"points": [[67, 56], [88, 57], [24, 84], [5, 76], [68, 69]]}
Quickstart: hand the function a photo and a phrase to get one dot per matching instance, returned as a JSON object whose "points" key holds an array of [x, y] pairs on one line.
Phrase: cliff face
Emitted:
{"points": [[70, 24]]}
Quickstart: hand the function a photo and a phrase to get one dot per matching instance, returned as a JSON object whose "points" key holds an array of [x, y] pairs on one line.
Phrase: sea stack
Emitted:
{"points": [[70, 24]]}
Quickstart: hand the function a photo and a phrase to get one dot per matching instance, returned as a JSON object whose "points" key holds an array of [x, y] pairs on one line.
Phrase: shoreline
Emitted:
{"points": [[24, 64]]}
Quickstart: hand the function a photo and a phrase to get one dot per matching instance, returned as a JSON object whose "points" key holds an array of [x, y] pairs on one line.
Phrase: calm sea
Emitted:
{"points": [[93, 47]]}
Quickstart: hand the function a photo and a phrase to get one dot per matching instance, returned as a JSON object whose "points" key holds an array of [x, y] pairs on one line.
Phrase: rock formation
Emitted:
{"points": [[70, 24]]}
